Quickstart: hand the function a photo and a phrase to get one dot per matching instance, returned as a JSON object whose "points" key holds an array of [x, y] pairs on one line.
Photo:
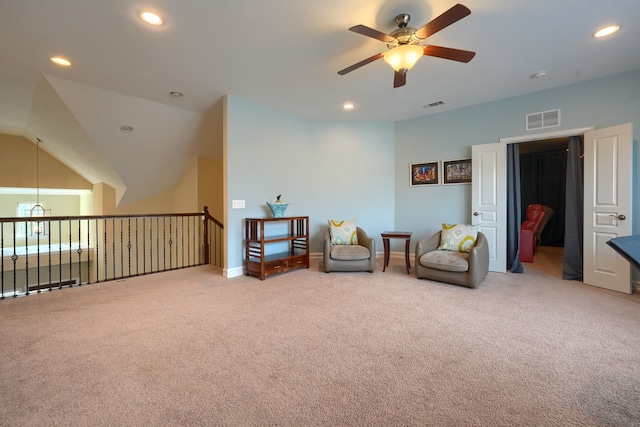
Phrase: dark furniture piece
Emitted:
{"points": [[263, 234], [360, 257], [406, 235], [458, 268], [628, 247]]}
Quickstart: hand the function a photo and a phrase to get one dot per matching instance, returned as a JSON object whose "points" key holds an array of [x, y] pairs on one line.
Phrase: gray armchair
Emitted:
{"points": [[458, 268], [360, 257]]}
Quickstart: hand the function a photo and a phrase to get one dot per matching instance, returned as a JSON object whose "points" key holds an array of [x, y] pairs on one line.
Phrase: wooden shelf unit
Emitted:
{"points": [[259, 262]]}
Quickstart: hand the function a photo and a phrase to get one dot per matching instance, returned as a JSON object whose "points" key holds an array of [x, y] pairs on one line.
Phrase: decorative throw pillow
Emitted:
{"points": [[343, 232], [458, 237]]}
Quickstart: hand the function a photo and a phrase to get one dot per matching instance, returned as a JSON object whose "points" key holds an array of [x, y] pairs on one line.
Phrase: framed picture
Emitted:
{"points": [[456, 171], [425, 173]]}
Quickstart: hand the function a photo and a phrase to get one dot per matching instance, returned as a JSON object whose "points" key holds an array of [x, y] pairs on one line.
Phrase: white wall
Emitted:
{"points": [[449, 135], [325, 170]]}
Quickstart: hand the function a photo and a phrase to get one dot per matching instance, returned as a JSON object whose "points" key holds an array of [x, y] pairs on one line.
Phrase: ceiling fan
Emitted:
{"points": [[404, 43]]}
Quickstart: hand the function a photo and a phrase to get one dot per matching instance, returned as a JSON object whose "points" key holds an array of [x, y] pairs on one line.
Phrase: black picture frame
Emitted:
{"points": [[427, 173], [456, 171]]}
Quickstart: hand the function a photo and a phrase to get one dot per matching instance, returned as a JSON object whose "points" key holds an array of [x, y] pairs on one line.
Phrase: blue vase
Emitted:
{"points": [[277, 209]]}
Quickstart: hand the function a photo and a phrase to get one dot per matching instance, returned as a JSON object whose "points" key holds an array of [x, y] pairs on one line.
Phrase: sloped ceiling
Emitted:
{"points": [[67, 138], [284, 54], [163, 135]]}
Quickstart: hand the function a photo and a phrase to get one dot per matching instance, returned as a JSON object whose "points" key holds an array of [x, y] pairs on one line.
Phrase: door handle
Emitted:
{"points": [[620, 217], [476, 213]]}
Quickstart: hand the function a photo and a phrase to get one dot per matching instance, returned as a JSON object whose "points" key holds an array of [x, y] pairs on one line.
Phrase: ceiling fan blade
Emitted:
{"points": [[449, 53], [360, 64], [399, 79], [452, 15], [370, 32]]}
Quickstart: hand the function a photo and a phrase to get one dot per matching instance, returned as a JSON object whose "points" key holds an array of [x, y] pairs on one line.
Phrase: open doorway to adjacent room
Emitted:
{"points": [[543, 166]]}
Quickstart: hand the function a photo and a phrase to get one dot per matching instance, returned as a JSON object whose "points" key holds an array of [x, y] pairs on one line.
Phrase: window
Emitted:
{"points": [[31, 228]]}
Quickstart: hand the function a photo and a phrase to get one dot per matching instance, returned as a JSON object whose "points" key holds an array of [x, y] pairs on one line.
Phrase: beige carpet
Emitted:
{"points": [[306, 348]]}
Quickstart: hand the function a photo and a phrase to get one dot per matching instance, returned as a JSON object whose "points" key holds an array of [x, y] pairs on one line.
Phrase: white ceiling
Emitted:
{"points": [[284, 54]]}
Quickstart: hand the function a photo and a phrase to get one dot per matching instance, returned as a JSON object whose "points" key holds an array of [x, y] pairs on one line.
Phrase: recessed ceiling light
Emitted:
{"points": [[61, 61], [126, 129], [151, 18], [538, 75], [603, 32], [348, 106]]}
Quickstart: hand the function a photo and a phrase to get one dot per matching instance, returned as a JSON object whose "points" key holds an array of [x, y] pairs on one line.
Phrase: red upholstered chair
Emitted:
{"points": [[528, 229], [548, 213]]}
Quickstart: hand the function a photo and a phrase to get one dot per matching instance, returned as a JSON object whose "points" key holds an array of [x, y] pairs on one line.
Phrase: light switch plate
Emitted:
{"points": [[237, 204]]}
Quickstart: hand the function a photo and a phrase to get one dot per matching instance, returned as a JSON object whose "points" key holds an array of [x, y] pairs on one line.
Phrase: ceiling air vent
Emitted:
{"points": [[433, 104], [545, 119]]}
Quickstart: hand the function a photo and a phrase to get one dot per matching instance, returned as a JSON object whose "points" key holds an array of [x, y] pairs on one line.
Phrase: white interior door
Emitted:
{"points": [[489, 199], [607, 205]]}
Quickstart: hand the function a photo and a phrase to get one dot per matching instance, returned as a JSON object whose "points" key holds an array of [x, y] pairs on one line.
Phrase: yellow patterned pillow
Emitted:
{"points": [[343, 232], [458, 237]]}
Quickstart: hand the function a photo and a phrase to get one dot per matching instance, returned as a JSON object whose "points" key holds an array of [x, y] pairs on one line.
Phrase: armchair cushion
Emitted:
{"points": [[349, 252], [343, 232], [446, 260], [458, 237]]}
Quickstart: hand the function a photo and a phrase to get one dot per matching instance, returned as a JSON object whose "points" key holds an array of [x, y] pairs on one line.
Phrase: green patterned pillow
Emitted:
{"points": [[458, 237], [343, 232]]}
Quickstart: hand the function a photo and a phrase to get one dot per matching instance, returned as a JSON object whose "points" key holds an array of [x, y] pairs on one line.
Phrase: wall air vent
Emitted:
{"points": [[433, 104], [545, 119]]}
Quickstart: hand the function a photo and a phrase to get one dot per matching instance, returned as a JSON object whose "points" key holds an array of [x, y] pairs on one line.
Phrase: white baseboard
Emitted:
{"points": [[233, 272]]}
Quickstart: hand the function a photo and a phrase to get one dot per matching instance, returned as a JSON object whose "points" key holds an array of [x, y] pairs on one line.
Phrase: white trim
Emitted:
{"points": [[45, 191], [545, 135], [12, 294], [233, 272]]}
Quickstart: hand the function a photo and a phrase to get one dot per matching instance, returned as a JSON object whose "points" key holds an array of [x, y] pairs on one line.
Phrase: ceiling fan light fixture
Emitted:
{"points": [[403, 57]]}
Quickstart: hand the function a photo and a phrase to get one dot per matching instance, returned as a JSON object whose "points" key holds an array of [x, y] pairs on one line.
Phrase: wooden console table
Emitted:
{"points": [[260, 233], [396, 235]]}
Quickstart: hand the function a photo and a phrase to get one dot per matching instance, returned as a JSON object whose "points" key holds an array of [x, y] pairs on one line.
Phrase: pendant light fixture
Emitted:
{"points": [[38, 210]]}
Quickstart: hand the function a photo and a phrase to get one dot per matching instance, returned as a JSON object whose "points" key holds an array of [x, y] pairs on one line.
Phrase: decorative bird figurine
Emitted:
{"points": [[278, 198]]}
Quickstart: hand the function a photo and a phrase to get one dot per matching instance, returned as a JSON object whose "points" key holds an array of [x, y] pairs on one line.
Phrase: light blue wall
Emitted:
{"points": [[361, 169], [339, 170], [449, 135]]}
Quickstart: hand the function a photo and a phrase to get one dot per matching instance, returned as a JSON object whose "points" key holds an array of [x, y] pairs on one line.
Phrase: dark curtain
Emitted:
{"points": [[513, 209], [574, 206], [543, 177]]}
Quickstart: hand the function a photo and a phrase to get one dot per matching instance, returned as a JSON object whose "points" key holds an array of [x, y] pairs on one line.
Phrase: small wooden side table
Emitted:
{"points": [[386, 235]]}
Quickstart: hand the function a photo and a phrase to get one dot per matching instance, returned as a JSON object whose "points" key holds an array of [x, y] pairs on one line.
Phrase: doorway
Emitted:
{"points": [[543, 167], [607, 213]]}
